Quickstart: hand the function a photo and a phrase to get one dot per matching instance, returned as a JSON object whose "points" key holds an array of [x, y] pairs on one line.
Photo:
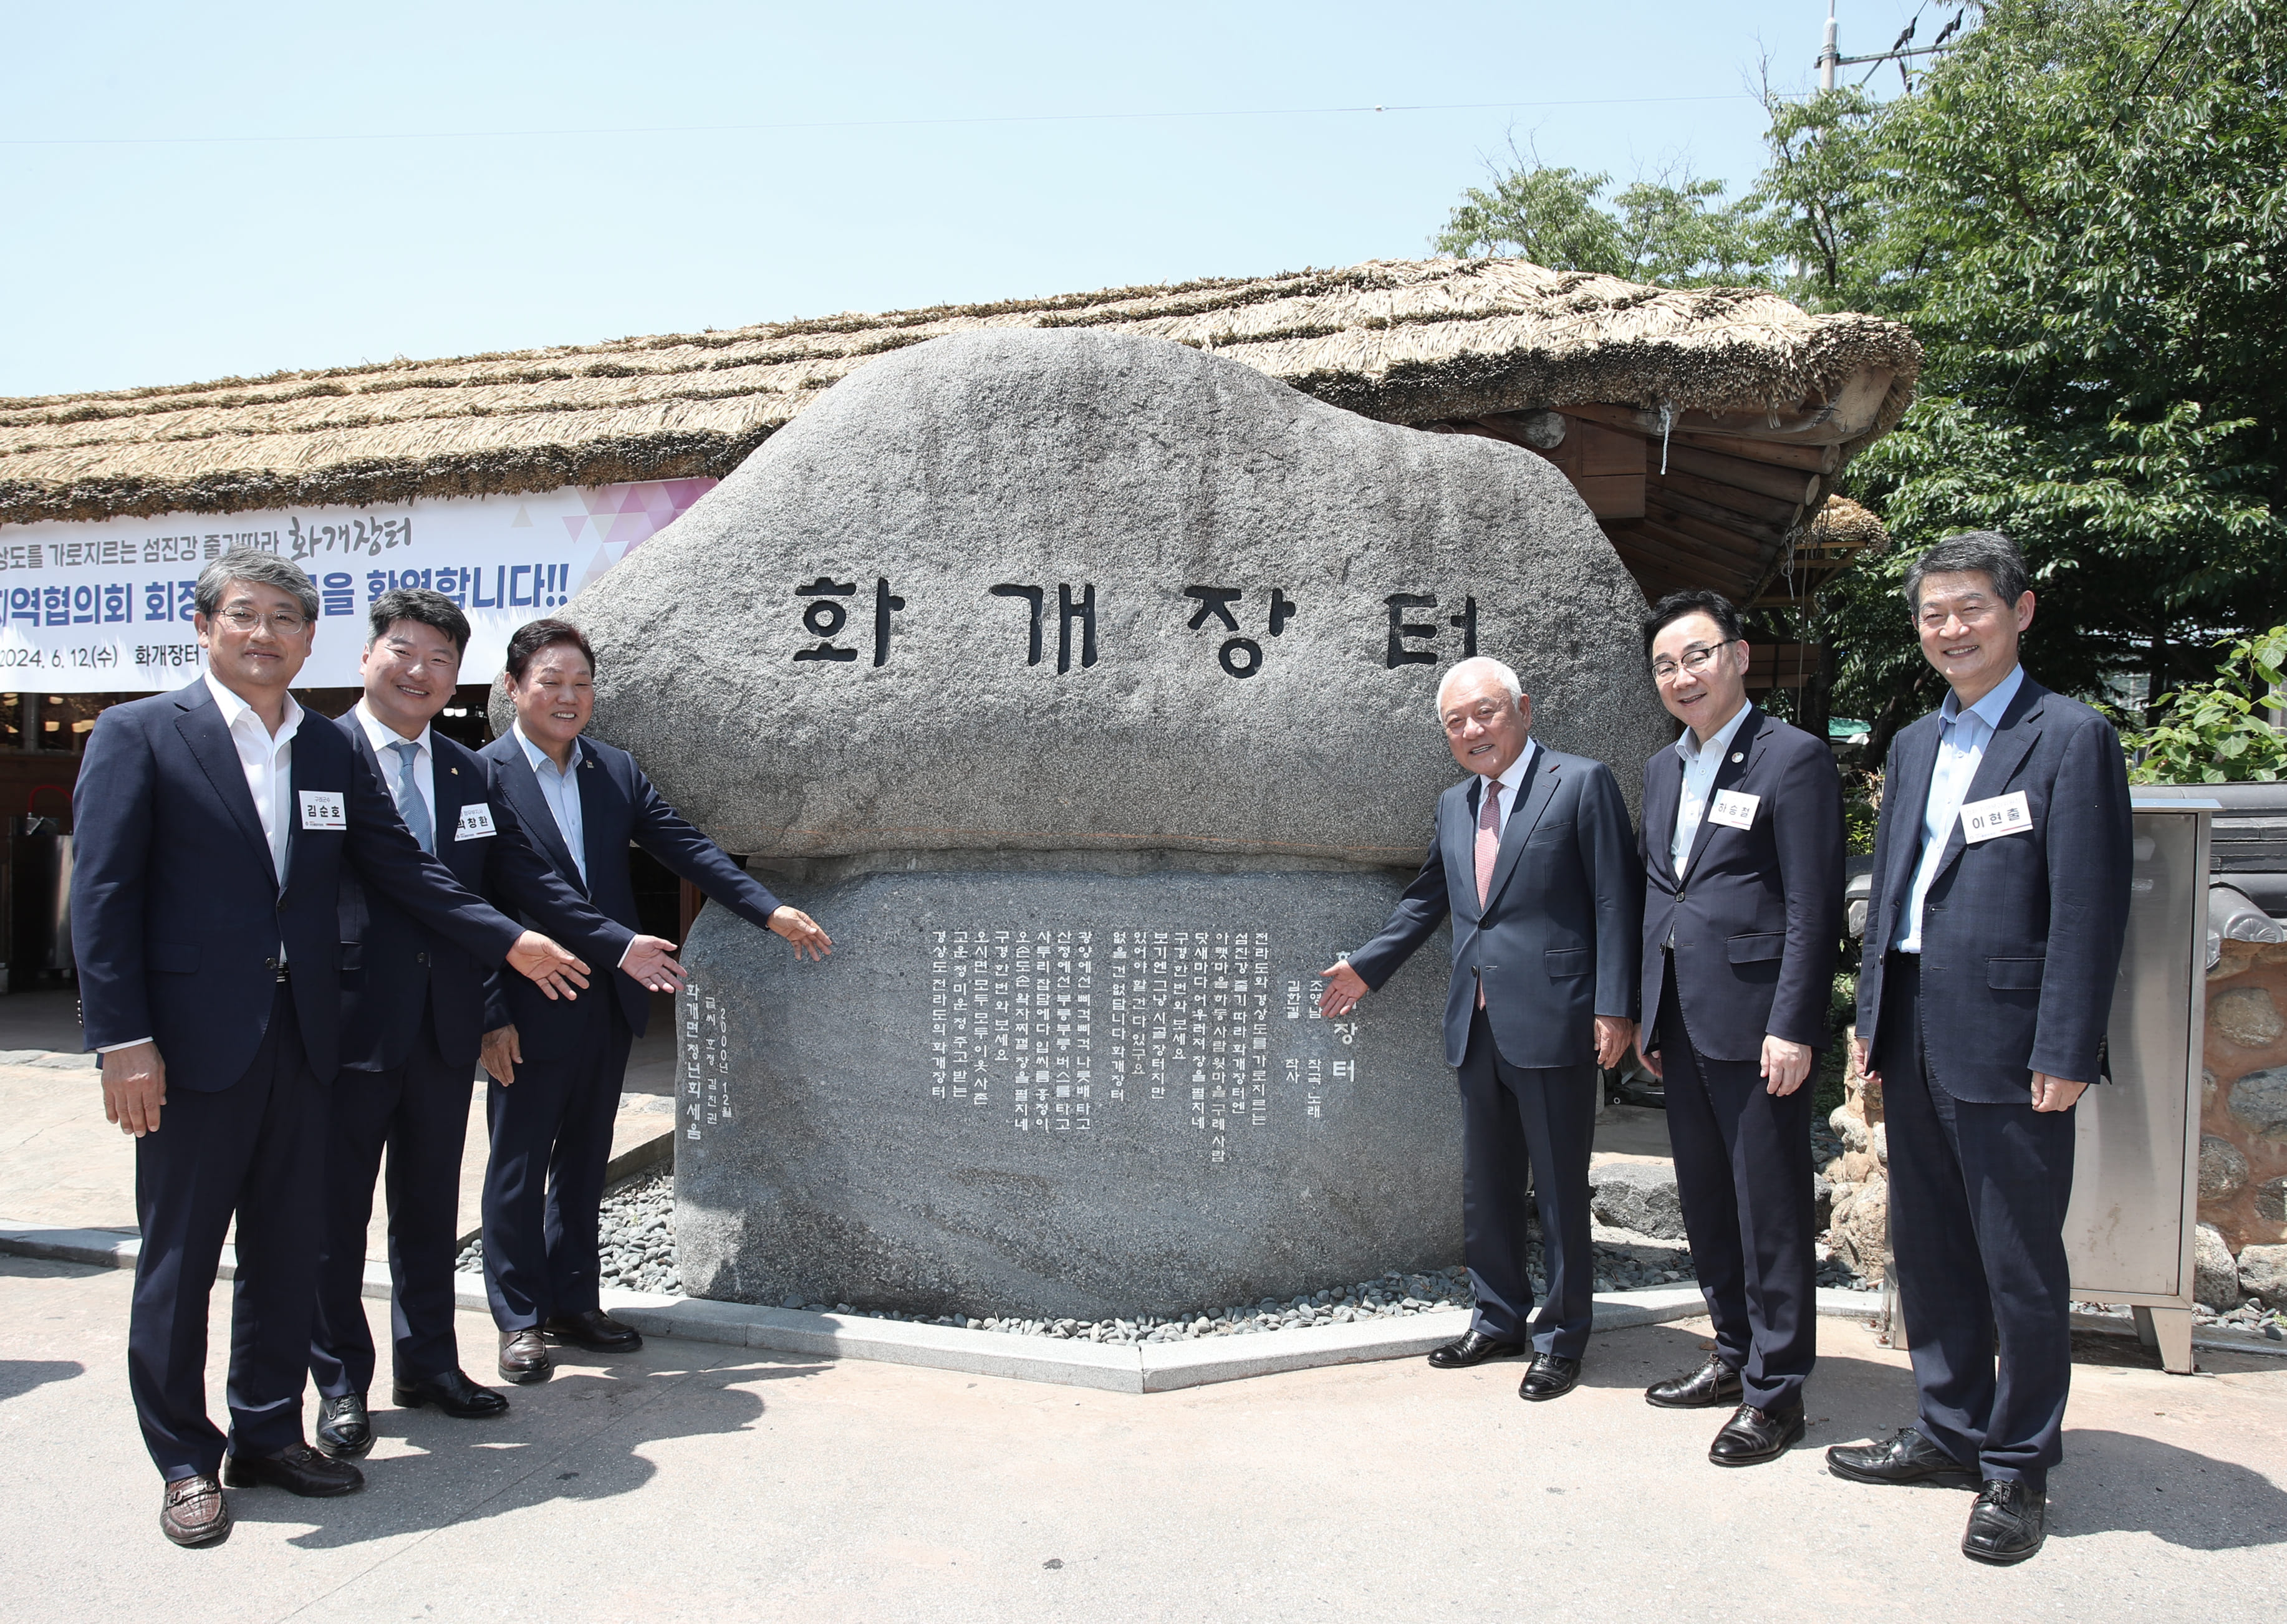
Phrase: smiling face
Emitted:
{"points": [[1485, 728], [1705, 698], [409, 672], [249, 646], [556, 697], [1967, 632]]}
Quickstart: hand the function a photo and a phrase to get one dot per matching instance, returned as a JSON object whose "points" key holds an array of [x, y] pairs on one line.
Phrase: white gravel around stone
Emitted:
{"points": [[638, 1254]]}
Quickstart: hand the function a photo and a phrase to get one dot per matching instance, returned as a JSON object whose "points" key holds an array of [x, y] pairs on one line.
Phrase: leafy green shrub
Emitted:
{"points": [[2216, 732]]}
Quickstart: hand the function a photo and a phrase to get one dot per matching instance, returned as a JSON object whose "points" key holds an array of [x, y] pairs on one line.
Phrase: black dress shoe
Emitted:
{"points": [[524, 1355], [1475, 1348], [343, 1430], [2006, 1523], [1910, 1457], [1712, 1384], [595, 1330], [1753, 1436], [192, 1512], [452, 1392], [298, 1470], [1548, 1377]]}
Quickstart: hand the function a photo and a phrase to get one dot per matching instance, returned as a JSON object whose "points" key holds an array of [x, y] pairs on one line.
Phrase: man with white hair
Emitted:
{"points": [[1532, 858]]}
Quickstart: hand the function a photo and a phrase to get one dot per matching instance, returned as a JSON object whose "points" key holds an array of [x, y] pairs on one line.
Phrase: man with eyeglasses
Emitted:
{"points": [[211, 827], [1741, 848], [1994, 932], [1530, 856]]}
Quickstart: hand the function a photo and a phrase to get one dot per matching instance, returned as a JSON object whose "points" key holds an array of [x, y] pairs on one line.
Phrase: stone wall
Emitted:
{"points": [[1859, 1232], [2244, 1116]]}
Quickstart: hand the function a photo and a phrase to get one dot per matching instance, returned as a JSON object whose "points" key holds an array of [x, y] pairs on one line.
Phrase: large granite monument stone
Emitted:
{"points": [[1083, 688]]}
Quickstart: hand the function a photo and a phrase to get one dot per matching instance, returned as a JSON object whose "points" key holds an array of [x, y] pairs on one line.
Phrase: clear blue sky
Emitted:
{"points": [[425, 200]]}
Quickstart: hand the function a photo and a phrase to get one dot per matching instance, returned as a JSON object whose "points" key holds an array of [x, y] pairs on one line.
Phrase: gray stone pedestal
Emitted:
{"points": [[1061, 1094]]}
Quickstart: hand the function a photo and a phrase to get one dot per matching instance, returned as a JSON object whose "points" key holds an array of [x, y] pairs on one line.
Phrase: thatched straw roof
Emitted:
{"points": [[1457, 343]]}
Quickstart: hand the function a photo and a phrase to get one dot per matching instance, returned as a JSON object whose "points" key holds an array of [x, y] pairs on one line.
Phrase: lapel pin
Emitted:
{"points": [[1738, 755]]}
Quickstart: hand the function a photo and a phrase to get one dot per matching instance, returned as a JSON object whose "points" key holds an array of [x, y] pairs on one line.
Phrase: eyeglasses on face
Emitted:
{"points": [[285, 622], [1696, 659]]}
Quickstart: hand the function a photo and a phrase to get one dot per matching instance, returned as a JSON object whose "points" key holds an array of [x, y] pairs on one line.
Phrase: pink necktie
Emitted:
{"points": [[1488, 852]]}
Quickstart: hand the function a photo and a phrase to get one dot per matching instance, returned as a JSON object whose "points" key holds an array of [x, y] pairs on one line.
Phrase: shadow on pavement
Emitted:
{"points": [[2119, 1482], [20, 1376], [577, 1437]]}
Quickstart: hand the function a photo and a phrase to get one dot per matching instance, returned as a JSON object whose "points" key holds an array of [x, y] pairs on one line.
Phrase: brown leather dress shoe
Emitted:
{"points": [[192, 1511], [595, 1331], [524, 1355]]}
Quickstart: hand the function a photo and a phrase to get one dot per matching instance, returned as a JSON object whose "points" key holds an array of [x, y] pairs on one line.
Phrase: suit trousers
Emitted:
{"points": [[419, 1112], [1742, 1169], [255, 1149], [1514, 1118], [551, 1141], [1977, 1211]]}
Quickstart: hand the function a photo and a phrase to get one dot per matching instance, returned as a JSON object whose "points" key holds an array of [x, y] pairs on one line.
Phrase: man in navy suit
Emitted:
{"points": [[211, 827], [1741, 851], [556, 1081], [1999, 906], [413, 1013], [1531, 859]]}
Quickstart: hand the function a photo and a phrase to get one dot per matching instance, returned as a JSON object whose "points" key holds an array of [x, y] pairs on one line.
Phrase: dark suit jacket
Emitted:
{"points": [[1556, 939], [1757, 915], [177, 914], [618, 805], [2021, 933], [391, 961]]}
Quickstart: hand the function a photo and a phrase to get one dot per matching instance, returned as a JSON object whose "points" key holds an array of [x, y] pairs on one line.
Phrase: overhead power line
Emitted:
{"points": [[854, 123]]}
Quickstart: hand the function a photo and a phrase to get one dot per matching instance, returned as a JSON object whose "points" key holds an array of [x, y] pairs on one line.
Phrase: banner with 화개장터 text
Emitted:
{"points": [[104, 606]]}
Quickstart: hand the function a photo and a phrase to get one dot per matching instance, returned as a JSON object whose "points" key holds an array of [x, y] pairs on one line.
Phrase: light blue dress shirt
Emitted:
{"points": [[1700, 766], [561, 791], [1962, 736]]}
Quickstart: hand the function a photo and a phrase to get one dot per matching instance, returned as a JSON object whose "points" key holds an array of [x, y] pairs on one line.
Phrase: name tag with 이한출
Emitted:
{"points": [[1733, 810], [2002, 814], [322, 810], [476, 822]]}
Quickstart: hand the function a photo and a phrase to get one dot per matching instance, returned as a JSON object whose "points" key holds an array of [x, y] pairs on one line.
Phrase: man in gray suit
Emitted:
{"points": [[1532, 858]]}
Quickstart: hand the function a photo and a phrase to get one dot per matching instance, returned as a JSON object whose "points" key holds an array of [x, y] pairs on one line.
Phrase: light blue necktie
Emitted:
{"points": [[410, 806]]}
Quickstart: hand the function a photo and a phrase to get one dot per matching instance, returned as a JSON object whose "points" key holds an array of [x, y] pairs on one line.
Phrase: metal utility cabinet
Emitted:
{"points": [[2131, 1230]]}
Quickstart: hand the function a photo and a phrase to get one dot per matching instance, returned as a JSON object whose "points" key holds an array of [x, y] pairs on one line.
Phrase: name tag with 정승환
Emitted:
{"points": [[1733, 810], [476, 822], [322, 810], [2003, 814]]}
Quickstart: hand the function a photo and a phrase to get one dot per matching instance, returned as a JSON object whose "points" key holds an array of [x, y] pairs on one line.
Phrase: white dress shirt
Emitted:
{"points": [[561, 791], [385, 740], [1700, 762], [1962, 736], [267, 760]]}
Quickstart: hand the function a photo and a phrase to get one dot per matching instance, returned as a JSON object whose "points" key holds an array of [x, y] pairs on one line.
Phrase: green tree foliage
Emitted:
{"points": [[1673, 229], [2216, 732]]}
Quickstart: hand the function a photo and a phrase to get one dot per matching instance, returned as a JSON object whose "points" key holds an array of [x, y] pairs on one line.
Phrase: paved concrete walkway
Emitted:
{"points": [[717, 1484]]}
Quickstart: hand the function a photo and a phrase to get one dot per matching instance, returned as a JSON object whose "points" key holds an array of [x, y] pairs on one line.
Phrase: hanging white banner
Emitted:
{"points": [[105, 607]]}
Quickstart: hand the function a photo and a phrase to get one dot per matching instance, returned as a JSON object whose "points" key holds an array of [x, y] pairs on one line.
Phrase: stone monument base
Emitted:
{"points": [[1051, 1092]]}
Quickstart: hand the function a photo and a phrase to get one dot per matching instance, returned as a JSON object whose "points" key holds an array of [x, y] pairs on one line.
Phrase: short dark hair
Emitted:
{"points": [[1675, 606], [256, 567], [533, 636], [419, 604], [1988, 552]]}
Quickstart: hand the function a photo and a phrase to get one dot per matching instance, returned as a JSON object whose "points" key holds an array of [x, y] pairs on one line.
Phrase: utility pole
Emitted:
{"points": [[1829, 52], [1830, 55]]}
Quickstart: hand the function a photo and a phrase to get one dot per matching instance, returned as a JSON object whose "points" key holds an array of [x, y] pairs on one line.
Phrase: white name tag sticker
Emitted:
{"points": [[1733, 810], [476, 822], [322, 810], [2003, 814]]}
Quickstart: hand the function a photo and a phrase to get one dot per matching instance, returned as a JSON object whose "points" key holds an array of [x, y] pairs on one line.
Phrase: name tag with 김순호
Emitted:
{"points": [[476, 822], [2003, 814], [322, 810], [1733, 810]]}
